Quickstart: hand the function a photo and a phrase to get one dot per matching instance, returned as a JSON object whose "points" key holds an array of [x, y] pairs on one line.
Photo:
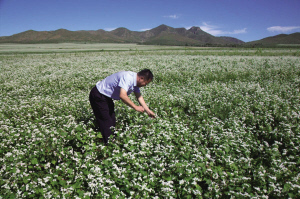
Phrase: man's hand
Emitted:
{"points": [[139, 109], [151, 114], [142, 102]]}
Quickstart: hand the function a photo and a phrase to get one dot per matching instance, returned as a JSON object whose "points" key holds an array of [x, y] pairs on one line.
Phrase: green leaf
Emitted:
{"points": [[76, 185], [53, 183], [34, 161], [286, 187], [86, 172]]}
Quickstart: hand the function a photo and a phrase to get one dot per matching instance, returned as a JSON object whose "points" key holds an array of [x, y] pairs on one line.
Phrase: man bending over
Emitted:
{"points": [[115, 87]]}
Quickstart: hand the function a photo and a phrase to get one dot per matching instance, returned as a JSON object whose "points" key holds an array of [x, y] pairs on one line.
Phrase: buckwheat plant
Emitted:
{"points": [[227, 126]]}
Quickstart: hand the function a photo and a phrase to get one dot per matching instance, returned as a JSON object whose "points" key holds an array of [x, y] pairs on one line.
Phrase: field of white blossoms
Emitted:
{"points": [[227, 126]]}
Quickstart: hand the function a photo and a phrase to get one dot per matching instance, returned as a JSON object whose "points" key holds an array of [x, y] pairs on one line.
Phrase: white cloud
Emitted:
{"points": [[172, 16], [211, 29], [283, 28], [215, 30], [241, 31], [145, 29], [109, 29]]}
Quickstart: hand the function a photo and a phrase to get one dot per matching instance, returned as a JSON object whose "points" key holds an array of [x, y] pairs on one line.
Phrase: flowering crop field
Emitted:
{"points": [[227, 126]]}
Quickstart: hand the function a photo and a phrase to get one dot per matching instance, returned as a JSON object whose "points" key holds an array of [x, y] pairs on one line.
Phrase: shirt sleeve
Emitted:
{"points": [[124, 82]]}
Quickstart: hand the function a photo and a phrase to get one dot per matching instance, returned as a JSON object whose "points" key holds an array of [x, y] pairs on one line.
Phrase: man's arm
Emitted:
{"points": [[124, 97], [142, 102]]}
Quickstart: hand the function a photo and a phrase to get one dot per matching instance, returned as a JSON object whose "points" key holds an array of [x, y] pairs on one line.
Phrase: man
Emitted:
{"points": [[118, 86]]}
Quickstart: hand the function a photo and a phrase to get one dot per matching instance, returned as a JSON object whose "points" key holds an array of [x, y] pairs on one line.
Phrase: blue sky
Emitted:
{"points": [[247, 20]]}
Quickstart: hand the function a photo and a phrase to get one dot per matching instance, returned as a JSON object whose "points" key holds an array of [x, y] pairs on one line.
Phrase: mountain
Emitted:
{"points": [[279, 39], [232, 39], [161, 35], [166, 35], [60, 35]]}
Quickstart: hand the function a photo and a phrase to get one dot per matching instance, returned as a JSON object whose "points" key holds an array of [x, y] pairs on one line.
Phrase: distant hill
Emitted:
{"points": [[161, 35], [279, 39], [232, 39]]}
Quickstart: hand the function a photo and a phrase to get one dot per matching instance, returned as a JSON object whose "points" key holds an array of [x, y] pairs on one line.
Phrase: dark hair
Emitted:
{"points": [[146, 73]]}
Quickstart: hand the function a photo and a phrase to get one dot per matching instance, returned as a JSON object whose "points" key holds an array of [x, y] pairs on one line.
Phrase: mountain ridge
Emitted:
{"points": [[160, 35], [293, 38]]}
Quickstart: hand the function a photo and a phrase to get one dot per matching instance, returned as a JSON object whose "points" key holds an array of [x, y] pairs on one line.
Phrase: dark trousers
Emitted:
{"points": [[103, 108]]}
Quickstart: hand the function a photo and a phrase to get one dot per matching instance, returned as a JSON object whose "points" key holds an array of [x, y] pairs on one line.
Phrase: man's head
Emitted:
{"points": [[144, 77]]}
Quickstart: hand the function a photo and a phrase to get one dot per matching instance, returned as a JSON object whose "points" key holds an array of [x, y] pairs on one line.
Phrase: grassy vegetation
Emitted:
{"points": [[227, 126], [76, 47], [283, 50]]}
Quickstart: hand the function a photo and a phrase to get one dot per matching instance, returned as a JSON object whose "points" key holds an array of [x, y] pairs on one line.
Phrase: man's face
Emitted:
{"points": [[141, 82]]}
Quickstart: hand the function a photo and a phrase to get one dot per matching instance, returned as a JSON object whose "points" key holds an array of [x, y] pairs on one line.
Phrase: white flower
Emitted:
{"points": [[8, 154], [181, 181], [257, 188]]}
